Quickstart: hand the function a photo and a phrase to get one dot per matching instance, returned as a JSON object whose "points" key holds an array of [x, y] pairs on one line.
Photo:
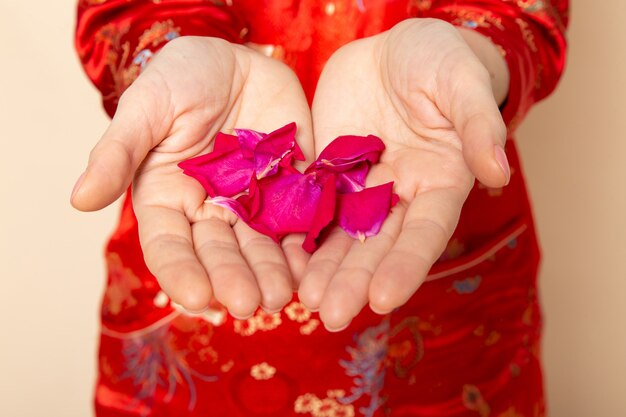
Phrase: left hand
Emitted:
{"points": [[427, 95]]}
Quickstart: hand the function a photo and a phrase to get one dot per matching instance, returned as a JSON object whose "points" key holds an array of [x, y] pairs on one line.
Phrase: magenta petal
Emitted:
{"points": [[228, 169], [286, 204], [352, 180], [224, 143], [270, 150], [224, 171], [234, 205], [361, 214], [279, 145], [324, 215], [345, 151], [248, 140], [349, 157], [226, 175]]}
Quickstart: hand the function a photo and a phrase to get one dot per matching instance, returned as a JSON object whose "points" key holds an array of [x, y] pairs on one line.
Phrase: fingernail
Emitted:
{"points": [[270, 310], [503, 162], [381, 312], [202, 310], [79, 182], [338, 329], [236, 317]]}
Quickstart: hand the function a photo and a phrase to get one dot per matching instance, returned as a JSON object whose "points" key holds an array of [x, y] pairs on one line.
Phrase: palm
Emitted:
{"points": [[193, 89], [370, 87]]}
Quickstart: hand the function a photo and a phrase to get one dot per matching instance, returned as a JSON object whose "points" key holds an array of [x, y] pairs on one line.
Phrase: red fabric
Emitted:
{"points": [[467, 344]]}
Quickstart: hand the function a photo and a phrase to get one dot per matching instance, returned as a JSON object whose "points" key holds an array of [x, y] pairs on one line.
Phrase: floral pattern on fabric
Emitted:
{"points": [[367, 367], [119, 292], [473, 400], [153, 362], [261, 321], [310, 404], [262, 371]]}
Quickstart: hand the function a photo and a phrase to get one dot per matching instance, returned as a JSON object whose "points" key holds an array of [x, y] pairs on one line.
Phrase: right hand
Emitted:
{"points": [[192, 89]]}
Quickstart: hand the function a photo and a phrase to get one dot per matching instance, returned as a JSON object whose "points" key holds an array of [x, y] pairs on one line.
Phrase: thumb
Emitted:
{"points": [[139, 124], [483, 133]]}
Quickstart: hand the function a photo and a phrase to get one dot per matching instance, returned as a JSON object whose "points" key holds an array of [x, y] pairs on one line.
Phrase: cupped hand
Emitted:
{"points": [[425, 93], [194, 88]]}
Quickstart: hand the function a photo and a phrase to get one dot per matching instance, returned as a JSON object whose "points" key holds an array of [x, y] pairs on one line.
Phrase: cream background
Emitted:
{"points": [[51, 272]]}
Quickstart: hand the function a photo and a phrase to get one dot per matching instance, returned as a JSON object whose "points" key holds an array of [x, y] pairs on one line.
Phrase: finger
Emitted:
{"points": [[166, 241], [140, 122], [478, 121], [348, 291], [233, 282], [321, 268], [267, 261], [297, 257], [430, 220]]}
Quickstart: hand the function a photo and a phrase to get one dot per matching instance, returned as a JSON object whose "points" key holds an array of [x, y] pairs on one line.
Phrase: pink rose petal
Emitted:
{"points": [[223, 144], [349, 157], [248, 140], [345, 151], [269, 150], [324, 215], [222, 172], [286, 203], [361, 214], [235, 205], [277, 205], [279, 199], [227, 170]]}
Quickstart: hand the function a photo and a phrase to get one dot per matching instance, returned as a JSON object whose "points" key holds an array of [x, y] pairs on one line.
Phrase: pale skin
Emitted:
{"points": [[430, 91]]}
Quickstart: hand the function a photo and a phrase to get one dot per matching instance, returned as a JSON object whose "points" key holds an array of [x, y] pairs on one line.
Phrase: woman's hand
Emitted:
{"points": [[194, 88], [428, 96]]}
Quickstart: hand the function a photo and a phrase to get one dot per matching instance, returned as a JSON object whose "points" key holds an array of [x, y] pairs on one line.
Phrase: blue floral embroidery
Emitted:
{"points": [[367, 366], [171, 35], [467, 285], [142, 58], [152, 361]]}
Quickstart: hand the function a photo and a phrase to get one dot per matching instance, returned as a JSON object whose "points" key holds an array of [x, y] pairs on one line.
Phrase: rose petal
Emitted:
{"points": [[277, 205], [241, 207], [224, 143], [248, 140], [232, 204], [324, 215], [225, 172], [286, 203], [278, 147], [361, 214], [349, 157], [345, 151], [281, 200]]}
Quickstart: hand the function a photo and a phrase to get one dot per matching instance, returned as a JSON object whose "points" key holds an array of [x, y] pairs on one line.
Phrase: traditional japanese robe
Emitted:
{"points": [[468, 342]]}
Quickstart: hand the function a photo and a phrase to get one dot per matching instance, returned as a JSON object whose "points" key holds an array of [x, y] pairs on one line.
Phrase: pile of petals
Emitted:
{"points": [[252, 174]]}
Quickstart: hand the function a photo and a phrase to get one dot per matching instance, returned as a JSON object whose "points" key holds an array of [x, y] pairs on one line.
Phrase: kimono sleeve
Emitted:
{"points": [[530, 34], [115, 39]]}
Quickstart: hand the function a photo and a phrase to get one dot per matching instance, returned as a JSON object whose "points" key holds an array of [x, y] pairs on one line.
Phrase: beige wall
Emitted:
{"points": [[50, 265], [574, 148]]}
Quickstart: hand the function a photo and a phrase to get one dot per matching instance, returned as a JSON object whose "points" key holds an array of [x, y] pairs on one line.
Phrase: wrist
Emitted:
{"points": [[491, 57]]}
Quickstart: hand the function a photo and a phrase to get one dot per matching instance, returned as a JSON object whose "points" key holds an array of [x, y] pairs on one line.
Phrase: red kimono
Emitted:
{"points": [[467, 343]]}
